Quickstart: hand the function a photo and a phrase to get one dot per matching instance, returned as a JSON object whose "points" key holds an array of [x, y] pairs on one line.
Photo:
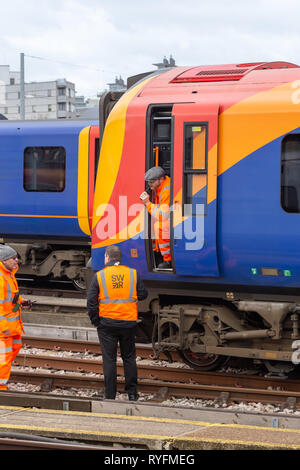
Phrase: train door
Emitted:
{"points": [[159, 122], [195, 143], [94, 152], [88, 157]]}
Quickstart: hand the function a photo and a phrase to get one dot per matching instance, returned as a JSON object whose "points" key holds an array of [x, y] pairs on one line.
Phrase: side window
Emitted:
{"points": [[97, 155], [290, 173], [195, 169], [161, 138], [44, 169]]}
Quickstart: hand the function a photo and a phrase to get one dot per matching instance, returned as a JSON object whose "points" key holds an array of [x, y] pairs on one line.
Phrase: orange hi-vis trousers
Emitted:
{"points": [[162, 240], [9, 348], [160, 215]]}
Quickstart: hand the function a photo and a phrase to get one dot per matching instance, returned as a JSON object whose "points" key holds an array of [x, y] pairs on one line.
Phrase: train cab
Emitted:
{"points": [[179, 134], [201, 125]]}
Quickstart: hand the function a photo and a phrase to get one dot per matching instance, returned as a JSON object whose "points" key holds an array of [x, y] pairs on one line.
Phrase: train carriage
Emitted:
{"points": [[229, 138], [46, 192]]}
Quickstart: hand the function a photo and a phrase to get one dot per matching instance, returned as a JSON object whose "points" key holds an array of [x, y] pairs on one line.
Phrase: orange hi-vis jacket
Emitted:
{"points": [[10, 321], [160, 212], [160, 209], [118, 295]]}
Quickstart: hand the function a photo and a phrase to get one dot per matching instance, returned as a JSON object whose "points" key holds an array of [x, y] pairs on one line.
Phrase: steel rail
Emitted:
{"points": [[162, 389], [10, 443], [144, 351], [156, 372]]}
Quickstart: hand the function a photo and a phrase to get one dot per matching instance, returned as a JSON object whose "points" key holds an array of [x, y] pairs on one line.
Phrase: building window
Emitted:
{"points": [[11, 81], [290, 173], [195, 169], [44, 169], [62, 91], [61, 106]]}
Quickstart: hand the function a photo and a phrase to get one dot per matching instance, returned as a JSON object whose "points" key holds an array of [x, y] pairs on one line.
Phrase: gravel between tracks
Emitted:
{"points": [[172, 402]]}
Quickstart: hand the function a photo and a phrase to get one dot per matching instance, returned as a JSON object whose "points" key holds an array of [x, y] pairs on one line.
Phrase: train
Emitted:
{"points": [[228, 136], [47, 183]]}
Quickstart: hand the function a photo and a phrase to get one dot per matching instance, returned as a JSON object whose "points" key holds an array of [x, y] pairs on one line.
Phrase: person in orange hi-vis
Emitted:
{"points": [[11, 326], [160, 184]]}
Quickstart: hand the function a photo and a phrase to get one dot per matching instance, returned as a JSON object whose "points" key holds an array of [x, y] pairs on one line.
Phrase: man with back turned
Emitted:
{"points": [[112, 308]]}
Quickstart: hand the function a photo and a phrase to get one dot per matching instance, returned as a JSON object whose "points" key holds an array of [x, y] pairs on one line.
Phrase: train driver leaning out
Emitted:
{"points": [[11, 326], [159, 183]]}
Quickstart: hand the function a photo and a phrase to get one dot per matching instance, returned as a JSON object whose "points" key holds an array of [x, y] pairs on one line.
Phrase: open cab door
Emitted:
{"points": [[183, 140], [195, 155]]}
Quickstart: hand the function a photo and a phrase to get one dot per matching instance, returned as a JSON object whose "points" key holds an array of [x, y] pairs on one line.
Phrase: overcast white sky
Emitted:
{"points": [[90, 42]]}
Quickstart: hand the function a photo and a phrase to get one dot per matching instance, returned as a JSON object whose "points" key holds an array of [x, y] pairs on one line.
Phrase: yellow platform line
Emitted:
{"points": [[110, 434], [169, 439], [150, 419]]}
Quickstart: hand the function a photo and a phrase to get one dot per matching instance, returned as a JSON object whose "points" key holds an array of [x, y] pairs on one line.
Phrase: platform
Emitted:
{"points": [[146, 432]]}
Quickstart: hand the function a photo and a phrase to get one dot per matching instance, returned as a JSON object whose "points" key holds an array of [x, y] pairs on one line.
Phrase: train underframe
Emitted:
{"points": [[208, 331], [53, 259]]}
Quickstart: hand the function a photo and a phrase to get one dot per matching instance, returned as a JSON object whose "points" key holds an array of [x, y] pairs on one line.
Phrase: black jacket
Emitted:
{"points": [[93, 304]]}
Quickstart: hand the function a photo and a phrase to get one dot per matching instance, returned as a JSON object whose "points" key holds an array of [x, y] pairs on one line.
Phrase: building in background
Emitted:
{"points": [[53, 99], [43, 100], [88, 108], [118, 85], [166, 63]]}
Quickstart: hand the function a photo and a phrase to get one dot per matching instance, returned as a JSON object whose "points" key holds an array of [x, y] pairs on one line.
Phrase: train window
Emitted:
{"points": [[44, 169], [290, 173], [97, 155], [161, 130], [195, 172]]}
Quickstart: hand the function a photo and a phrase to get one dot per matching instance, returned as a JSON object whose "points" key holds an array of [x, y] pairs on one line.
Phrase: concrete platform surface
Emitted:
{"points": [[146, 432]]}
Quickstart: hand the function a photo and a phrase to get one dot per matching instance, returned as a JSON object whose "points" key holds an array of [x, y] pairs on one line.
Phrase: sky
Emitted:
{"points": [[91, 42]]}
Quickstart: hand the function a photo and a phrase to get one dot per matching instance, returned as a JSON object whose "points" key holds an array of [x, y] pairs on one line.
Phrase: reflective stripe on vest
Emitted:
{"points": [[8, 318], [5, 350], [8, 298], [164, 189], [118, 297]]}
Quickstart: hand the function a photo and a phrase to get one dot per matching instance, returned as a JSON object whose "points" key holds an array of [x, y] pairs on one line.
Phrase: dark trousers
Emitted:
{"points": [[109, 338]]}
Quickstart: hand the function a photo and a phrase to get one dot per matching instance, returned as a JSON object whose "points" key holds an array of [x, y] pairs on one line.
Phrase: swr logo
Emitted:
{"points": [[117, 281]]}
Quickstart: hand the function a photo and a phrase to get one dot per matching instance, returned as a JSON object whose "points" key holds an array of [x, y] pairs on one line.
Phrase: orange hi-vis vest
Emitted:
{"points": [[10, 312], [160, 209], [160, 213], [118, 295]]}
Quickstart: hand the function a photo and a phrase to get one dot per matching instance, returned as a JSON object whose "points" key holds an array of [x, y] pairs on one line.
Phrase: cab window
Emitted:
{"points": [[195, 169]]}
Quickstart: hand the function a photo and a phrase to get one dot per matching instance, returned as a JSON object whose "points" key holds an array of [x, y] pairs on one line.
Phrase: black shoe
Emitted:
{"points": [[133, 396], [98, 394], [164, 265]]}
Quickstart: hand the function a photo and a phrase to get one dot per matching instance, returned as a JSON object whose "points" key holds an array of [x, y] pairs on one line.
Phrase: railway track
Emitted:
{"points": [[54, 289], [52, 371], [144, 351], [25, 442]]}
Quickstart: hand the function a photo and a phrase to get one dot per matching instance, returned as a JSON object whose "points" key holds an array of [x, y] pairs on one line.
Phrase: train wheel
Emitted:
{"points": [[79, 283], [203, 362]]}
